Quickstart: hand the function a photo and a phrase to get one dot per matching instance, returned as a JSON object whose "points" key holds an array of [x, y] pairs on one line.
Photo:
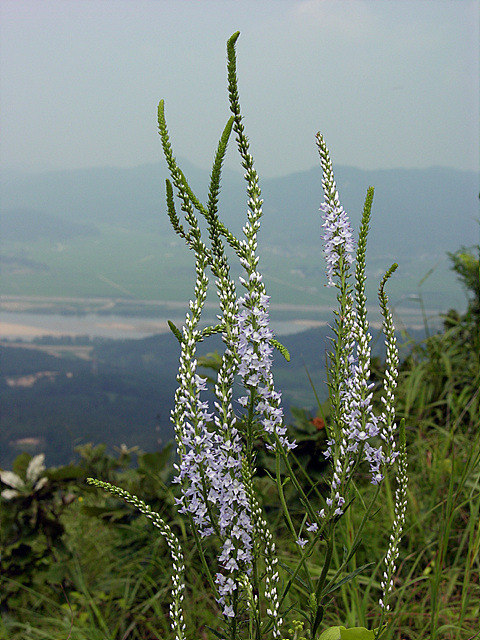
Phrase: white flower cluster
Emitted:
{"points": [[393, 546], [210, 453], [387, 417], [213, 491], [338, 236], [255, 352], [356, 423]]}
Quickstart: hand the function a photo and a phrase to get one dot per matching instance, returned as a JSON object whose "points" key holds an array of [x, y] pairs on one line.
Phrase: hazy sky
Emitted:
{"points": [[390, 83]]}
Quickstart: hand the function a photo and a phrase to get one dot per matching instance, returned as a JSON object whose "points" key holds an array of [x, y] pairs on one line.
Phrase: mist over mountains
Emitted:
{"points": [[414, 209], [29, 225], [105, 232], [418, 215]]}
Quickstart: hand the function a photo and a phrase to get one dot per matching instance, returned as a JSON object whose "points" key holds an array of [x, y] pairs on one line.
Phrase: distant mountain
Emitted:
{"points": [[28, 225], [415, 210], [120, 242]]}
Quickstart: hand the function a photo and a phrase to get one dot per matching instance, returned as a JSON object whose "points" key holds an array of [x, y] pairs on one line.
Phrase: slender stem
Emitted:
{"points": [[281, 494], [326, 565], [306, 502], [355, 540]]}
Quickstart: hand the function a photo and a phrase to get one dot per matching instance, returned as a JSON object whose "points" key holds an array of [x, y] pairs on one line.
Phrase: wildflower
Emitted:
{"points": [[255, 352], [398, 522], [391, 375], [34, 481], [354, 421], [209, 445], [338, 236]]}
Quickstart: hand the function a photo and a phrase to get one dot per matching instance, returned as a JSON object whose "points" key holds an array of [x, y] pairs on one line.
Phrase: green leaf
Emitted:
{"points": [[318, 619], [188, 190], [350, 576], [341, 633], [283, 350], [20, 464], [216, 633], [290, 571], [356, 633], [176, 332], [112, 512], [155, 462], [331, 634], [56, 573], [67, 472]]}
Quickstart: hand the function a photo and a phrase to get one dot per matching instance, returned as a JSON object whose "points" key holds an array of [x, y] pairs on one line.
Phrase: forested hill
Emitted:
{"points": [[121, 392]]}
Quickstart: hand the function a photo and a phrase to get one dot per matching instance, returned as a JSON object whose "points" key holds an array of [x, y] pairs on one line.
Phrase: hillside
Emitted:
{"points": [[113, 238], [122, 391]]}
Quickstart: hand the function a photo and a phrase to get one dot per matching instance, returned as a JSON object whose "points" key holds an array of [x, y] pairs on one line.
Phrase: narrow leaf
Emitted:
{"points": [[176, 331], [350, 576], [318, 619]]}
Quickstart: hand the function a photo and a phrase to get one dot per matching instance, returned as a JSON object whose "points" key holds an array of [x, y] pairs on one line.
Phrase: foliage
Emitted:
{"points": [[73, 558], [118, 572], [465, 263], [31, 529], [98, 570], [120, 395], [217, 452], [439, 397]]}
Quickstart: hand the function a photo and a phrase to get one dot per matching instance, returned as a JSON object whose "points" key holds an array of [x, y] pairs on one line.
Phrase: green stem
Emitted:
{"points": [[356, 540], [304, 499], [281, 494], [326, 565]]}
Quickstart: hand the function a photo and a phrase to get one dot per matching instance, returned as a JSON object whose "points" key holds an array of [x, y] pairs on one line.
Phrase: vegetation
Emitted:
{"points": [[77, 562], [81, 565], [118, 395], [121, 391]]}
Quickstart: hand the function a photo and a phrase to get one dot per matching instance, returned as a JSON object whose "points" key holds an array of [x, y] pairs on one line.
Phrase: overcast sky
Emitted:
{"points": [[390, 83]]}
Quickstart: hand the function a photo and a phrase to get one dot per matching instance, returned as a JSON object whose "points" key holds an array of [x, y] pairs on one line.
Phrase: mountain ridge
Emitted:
{"points": [[418, 216], [406, 201]]}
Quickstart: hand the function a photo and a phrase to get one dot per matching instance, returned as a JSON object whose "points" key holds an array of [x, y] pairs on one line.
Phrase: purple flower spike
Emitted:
{"points": [[338, 237], [255, 351]]}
